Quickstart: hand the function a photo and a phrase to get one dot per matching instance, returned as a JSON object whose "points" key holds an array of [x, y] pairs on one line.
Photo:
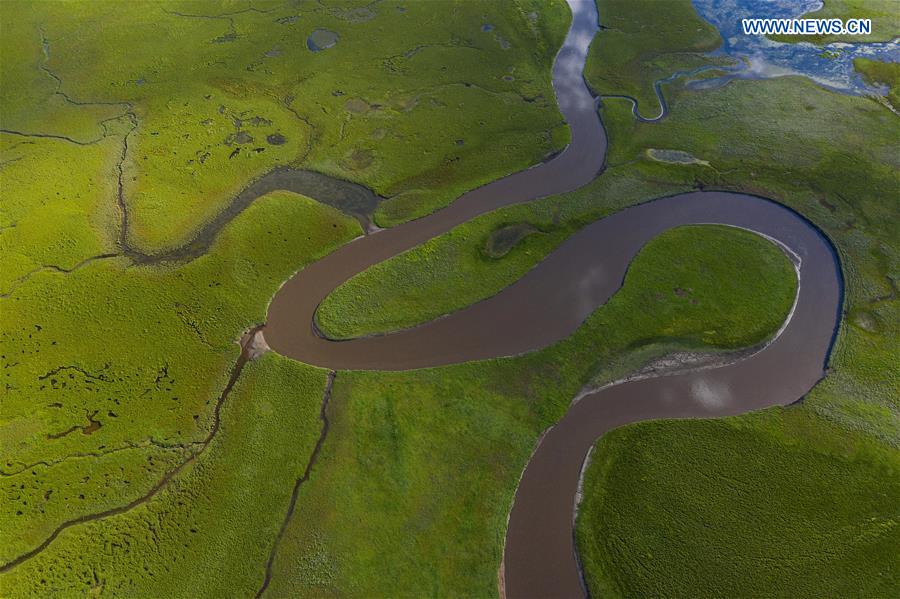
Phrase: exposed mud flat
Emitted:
{"points": [[503, 240], [674, 157]]}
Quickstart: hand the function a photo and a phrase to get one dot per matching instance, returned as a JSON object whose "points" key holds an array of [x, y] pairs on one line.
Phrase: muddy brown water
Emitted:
{"points": [[553, 299]]}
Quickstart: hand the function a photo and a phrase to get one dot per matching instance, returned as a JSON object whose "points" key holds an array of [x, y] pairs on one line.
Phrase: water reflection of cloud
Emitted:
{"points": [[668, 395], [760, 68], [710, 394], [580, 39], [588, 284]]}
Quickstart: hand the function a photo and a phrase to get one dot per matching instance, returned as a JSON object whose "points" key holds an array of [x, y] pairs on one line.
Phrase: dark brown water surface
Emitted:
{"points": [[553, 299]]}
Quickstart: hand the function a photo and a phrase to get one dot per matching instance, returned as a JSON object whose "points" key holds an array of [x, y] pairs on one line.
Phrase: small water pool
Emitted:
{"points": [[321, 39]]}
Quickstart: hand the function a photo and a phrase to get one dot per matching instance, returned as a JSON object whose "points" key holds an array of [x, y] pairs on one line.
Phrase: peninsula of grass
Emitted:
{"points": [[454, 270], [877, 72], [464, 265], [628, 56]]}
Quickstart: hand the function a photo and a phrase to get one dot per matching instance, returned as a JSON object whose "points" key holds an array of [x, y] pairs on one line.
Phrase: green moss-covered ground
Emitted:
{"points": [[210, 530]]}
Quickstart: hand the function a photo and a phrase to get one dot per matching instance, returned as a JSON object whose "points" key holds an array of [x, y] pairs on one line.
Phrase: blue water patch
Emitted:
{"points": [[321, 39], [487, 27], [830, 66]]}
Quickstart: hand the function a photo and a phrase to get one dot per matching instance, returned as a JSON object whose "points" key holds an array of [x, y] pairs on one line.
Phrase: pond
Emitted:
{"points": [[321, 39]]}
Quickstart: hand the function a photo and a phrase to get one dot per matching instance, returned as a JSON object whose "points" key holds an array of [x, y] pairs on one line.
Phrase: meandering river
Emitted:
{"points": [[553, 299]]}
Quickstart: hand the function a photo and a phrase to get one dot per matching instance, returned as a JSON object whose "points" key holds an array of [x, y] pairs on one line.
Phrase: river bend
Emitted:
{"points": [[553, 299]]}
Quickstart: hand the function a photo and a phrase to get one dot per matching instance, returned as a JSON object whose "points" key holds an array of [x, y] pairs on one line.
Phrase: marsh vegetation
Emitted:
{"points": [[114, 370]]}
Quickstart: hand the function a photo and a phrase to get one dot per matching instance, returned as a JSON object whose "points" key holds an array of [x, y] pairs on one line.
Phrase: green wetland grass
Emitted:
{"points": [[145, 351], [215, 523], [213, 96], [410, 492], [776, 504]]}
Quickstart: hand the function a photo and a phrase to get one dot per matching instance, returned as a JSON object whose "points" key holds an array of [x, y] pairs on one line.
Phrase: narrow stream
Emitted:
{"points": [[553, 299]]}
